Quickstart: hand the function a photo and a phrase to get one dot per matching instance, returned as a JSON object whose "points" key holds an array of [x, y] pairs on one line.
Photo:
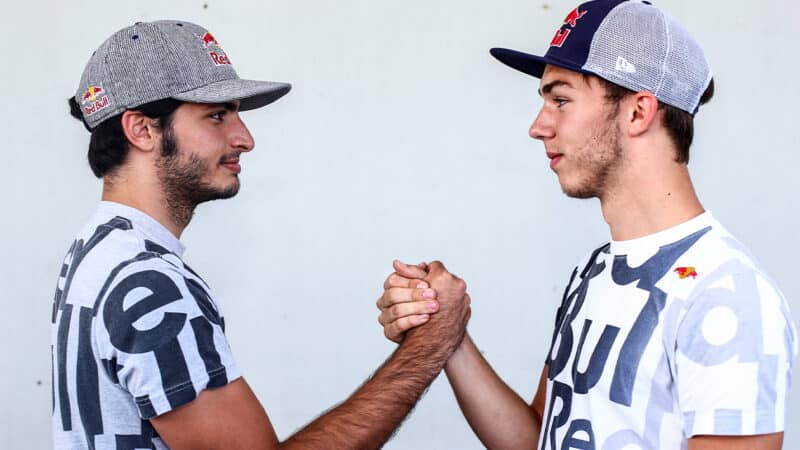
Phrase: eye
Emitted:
{"points": [[560, 101], [218, 115]]}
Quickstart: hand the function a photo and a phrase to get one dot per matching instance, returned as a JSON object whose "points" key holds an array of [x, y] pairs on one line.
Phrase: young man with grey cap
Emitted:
{"points": [[140, 359], [670, 336]]}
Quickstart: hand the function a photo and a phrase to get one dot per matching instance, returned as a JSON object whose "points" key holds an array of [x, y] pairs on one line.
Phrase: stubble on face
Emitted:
{"points": [[597, 160], [181, 172]]}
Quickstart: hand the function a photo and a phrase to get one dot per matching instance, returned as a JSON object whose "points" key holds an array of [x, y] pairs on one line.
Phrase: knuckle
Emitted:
{"points": [[394, 280], [404, 324], [395, 310]]}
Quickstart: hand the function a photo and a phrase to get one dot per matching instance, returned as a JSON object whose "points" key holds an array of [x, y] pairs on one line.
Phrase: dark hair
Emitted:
{"points": [[679, 123], [108, 145]]}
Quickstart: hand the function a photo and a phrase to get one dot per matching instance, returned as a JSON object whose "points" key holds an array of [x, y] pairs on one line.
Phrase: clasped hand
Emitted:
{"points": [[415, 295]]}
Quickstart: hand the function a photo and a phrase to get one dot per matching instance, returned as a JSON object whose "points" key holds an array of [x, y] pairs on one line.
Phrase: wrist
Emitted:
{"points": [[460, 352]]}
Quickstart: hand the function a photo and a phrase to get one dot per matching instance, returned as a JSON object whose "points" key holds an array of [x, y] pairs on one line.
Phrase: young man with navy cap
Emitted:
{"points": [[140, 358], [669, 336]]}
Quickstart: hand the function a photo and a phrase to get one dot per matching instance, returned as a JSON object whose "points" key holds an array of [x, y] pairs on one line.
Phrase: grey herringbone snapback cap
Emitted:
{"points": [[151, 61]]}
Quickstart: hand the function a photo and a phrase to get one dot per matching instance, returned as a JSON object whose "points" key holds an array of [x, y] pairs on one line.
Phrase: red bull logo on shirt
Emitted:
{"points": [[571, 20], [686, 272], [218, 57], [93, 100]]}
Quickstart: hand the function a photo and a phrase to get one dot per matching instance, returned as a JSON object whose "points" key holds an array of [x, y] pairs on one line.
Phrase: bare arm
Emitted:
{"points": [[231, 417], [499, 416], [225, 417]]}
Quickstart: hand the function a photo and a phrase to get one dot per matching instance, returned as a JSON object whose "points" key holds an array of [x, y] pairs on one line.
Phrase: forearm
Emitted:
{"points": [[500, 417], [370, 416]]}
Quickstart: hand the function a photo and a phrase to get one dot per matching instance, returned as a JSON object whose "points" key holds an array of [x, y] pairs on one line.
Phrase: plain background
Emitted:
{"points": [[402, 138]]}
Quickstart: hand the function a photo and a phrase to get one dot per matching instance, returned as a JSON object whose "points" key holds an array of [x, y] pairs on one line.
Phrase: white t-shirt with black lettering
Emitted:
{"points": [[669, 336], [136, 333]]}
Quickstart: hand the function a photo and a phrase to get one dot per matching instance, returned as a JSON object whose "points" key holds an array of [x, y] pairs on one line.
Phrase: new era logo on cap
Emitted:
{"points": [[624, 66]]}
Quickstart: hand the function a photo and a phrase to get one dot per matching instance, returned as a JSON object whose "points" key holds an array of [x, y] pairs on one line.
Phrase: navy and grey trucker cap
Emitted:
{"points": [[630, 43], [152, 61]]}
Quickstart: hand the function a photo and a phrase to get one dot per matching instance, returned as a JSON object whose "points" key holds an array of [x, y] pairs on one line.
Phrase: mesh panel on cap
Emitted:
{"points": [[638, 39], [689, 70], [640, 48]]}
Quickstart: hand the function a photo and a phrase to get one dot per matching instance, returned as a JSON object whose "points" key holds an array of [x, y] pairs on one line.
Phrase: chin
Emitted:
{"points": [[578, 191]]}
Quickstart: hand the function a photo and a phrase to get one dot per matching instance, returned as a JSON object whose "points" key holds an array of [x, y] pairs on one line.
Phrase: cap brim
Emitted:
{"points": [[252, 94], [531, 64]]}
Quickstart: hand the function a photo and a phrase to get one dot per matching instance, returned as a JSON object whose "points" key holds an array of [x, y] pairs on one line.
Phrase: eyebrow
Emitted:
{"points": [[230, 106], [547, 88]]}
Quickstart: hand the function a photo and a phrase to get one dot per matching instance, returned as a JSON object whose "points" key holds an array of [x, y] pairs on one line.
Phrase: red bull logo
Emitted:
{"points": [[93, 100], [573, 16], [91, 94], [208, 40], [571, 20], [686, 272], [218, 56]]}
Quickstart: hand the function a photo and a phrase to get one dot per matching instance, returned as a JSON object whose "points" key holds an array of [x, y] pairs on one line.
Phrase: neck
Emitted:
{"points": [[147, 196], [648, 203]]}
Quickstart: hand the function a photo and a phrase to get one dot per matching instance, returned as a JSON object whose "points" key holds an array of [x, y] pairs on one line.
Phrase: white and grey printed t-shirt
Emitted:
{"points": [[666, 337], [135, 333]]}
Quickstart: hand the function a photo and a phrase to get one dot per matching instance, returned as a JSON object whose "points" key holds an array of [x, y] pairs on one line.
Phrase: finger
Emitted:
{"points": [[436, 266], [394, 296], [437, 270], [395, 280], [396, 330], [408, 271], [401, 310]]}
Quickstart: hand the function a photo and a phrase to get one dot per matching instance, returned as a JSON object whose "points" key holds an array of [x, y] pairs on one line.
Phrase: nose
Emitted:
{"points": [[542, 126], [241, 138]]}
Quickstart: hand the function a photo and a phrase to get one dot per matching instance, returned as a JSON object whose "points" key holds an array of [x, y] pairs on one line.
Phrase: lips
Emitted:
{"points": [[554, 158], [232, 164]]}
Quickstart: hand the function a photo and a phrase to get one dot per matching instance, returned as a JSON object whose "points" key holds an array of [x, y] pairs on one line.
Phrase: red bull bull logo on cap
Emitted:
{"points": [[218, 56], [209, 39], [686, 272], [571, 20], [93, 100]]}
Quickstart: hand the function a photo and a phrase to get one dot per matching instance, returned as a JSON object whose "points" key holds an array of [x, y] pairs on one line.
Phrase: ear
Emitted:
{"points": [[642, 111], [141, 131]]}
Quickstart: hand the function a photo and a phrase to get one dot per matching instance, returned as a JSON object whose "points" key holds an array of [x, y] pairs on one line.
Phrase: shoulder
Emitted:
{"points": [[731, 305], [718, 260], [590, 258]]}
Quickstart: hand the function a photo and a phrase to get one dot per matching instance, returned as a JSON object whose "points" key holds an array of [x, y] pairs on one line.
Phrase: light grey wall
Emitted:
{"points": [[402, 138]]}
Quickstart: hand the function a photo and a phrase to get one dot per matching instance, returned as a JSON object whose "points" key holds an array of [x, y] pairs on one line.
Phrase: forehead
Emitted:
{"points": [[555, 73], [558, 77], [202, 107]]}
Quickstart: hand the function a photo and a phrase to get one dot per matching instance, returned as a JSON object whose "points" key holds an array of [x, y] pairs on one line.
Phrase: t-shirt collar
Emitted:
{"points": [[146, 225]]}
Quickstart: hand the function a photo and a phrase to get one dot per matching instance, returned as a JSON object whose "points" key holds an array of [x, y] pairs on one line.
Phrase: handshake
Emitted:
{"points": [[416, 295]]}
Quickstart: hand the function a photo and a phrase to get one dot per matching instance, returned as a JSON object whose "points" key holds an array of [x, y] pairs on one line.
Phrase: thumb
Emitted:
{"points": [[407, 271]]}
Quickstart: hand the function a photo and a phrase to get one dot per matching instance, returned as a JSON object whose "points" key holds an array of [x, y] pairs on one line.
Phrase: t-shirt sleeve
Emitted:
{"points": [[735, 347], [160, 336]]}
